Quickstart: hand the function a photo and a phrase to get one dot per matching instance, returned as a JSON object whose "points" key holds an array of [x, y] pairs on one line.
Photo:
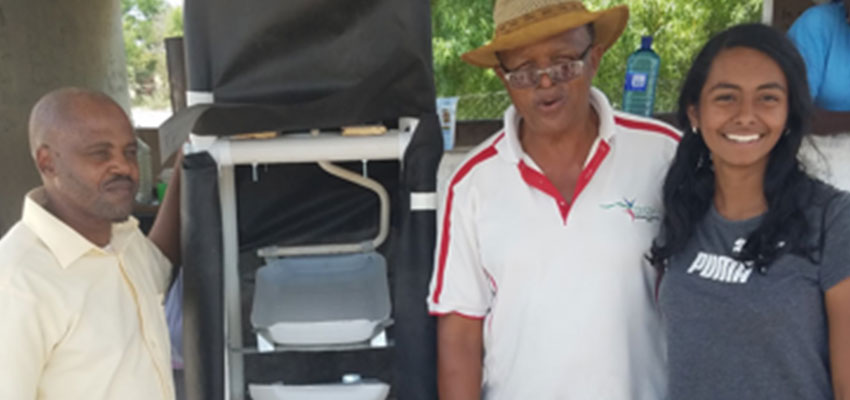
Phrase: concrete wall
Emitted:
{"points": [[45, 45]]}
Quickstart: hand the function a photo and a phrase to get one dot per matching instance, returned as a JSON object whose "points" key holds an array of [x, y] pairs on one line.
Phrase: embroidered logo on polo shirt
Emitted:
{"points": [[633, 210]]}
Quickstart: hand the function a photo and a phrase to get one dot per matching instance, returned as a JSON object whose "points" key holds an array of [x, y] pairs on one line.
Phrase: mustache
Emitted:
{"points": [[118, 179]]}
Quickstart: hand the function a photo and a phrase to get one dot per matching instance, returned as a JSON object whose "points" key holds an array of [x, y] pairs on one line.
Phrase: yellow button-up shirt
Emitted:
{"points": [[78, 321]]}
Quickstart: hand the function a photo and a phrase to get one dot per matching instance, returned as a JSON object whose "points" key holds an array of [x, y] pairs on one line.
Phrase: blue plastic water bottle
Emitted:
{"points": [[641, 77]]}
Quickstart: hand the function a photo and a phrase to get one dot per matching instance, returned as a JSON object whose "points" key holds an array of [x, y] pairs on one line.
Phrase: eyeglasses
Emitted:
{"points": [[560, 72]]}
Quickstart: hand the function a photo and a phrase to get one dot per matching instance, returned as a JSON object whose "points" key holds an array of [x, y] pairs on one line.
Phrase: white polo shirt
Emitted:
{"points": [[563, 286]]}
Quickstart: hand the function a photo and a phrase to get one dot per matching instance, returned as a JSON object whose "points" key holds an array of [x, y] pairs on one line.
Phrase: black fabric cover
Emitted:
{"points": [[291, 66], [203, 325], [415, 330], [299, 64], [299, 204]]}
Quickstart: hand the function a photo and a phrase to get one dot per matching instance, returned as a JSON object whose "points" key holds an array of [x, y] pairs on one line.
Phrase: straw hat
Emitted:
{"points": [[522, 22]]}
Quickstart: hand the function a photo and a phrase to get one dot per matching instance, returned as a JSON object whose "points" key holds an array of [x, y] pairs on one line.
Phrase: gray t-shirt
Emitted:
{"points": [[734, 333]]}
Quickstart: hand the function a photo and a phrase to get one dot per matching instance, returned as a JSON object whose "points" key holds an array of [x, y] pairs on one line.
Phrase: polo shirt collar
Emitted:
{"points": [[66, 244], [511, 148]]}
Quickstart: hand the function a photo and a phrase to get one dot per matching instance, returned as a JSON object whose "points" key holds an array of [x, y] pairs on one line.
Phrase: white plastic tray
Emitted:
{"points": [[315, 333], [336, 391], [322, 299]]}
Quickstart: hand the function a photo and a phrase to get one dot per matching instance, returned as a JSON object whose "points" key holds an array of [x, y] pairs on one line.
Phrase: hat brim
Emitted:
{"points": [[608, 25]]}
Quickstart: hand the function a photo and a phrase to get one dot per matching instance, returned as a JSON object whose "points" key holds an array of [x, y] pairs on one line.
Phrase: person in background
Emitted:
{"points": [[822, 36], [174, 318], [755, 253], [540, 283], [81, 288]]}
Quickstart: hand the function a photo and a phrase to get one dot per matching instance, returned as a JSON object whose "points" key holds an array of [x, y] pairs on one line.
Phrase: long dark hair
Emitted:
{"points": [[689, 185]]}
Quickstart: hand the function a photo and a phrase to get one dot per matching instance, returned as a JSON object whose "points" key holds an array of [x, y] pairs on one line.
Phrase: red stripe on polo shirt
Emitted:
{"points": [[485, 154], [492, 280], [539, 181], [647, 126], [467, 316], [590, 169]]}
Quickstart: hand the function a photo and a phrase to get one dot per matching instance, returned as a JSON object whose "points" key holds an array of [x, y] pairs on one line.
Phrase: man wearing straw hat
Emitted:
{"points": [[540, 283]]}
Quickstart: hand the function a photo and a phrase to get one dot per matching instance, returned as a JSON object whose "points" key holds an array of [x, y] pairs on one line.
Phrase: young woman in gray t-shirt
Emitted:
{"points": [[755, 253]]}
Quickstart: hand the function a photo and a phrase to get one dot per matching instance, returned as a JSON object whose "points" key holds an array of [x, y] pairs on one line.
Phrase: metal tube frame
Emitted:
{"points": [[234, 361], [393, 146]]}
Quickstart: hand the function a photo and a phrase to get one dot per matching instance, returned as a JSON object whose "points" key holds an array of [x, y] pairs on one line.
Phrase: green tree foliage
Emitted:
{"points": [[146, 23], [174, 23], [679, 28], [458, 26]]}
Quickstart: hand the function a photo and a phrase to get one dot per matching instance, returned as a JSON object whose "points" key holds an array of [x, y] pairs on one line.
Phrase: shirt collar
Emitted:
{"points": [[66, 244], [511, 148]]}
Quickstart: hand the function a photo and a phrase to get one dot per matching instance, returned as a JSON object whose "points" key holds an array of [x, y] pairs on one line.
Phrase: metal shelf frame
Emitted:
{"points": [[304, 147]]}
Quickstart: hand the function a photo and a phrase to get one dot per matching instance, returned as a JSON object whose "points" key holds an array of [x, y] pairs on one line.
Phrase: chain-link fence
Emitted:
{"points": [[482, 105], [491, 105]]}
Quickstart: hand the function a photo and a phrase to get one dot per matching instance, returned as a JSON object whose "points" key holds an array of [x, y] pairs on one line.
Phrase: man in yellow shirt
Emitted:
{"points": [[81, 287]]}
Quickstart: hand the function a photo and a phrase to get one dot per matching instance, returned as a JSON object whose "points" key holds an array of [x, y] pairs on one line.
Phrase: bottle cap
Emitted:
{"points": [[646, 42]]}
